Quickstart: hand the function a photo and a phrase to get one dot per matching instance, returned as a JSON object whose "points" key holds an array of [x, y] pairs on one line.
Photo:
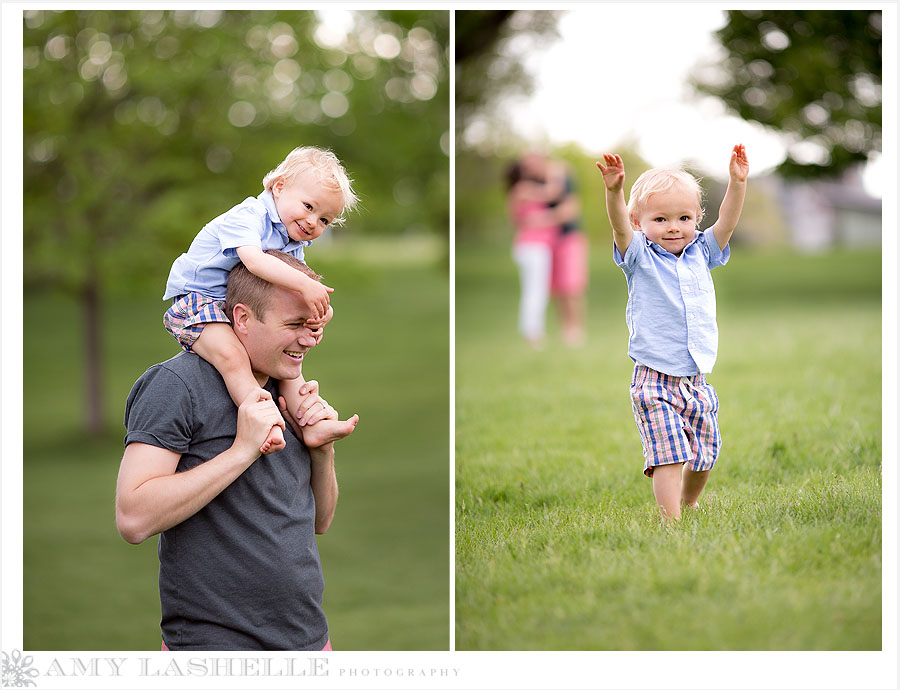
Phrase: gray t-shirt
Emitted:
{"points": [[242, 573]]}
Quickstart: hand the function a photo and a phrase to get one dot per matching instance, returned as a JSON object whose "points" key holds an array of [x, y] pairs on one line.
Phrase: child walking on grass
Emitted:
{"points": [[671, 315], [307, 192]]}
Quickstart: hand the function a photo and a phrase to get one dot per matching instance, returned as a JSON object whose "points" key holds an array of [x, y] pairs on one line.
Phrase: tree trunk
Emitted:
{"points": [[93, 372]]}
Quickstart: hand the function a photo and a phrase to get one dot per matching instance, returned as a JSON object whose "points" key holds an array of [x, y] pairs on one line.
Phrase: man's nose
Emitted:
{"points": [[308, 338]]}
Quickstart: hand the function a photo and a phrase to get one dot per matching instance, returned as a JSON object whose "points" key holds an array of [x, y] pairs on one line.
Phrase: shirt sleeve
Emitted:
{"points": [[715, 257], [159, 411], [242, 226], [635, 248]]}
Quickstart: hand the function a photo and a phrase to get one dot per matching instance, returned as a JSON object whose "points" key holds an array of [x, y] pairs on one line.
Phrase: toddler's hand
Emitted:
{"points": [[321, 321], [316, 325], [613, 172], [316, 296], [739, 166]]}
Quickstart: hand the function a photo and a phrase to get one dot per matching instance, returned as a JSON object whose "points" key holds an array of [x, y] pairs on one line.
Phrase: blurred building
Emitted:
{"points": [[806, 215], [836, 213]]}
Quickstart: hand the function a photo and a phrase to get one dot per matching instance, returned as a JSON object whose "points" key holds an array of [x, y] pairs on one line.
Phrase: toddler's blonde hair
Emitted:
{"points": [[658, 180], [324, 165]]}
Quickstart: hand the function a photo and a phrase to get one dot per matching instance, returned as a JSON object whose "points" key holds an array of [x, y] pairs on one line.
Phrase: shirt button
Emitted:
{"points": [[691, 316]]}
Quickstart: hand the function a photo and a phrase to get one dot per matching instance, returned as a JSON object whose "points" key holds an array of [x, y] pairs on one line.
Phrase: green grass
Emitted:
{"points": [[558, 543], [385, 558]]}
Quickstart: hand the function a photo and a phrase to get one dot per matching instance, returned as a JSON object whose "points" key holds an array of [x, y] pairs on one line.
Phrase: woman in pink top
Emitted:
{"points": [[536, 230]]}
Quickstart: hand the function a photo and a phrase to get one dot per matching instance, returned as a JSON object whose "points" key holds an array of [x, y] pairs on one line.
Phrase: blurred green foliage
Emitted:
{"points": [[486, 70], [141, 126], [812, 74]]}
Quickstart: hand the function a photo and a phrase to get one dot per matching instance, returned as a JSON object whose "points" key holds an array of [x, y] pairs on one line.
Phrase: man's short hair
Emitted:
{"points": [[247, 288]]}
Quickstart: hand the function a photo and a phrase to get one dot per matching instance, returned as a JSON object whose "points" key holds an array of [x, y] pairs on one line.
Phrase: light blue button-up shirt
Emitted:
{"points": [[213, 253], [671, 311]]}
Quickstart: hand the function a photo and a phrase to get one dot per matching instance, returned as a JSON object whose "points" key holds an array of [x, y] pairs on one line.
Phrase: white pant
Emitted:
{"points": [[535, 262]]}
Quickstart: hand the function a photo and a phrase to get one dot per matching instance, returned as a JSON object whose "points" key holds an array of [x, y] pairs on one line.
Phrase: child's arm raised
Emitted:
{"points": [[279, 273], [614, 179], [730, 210]]}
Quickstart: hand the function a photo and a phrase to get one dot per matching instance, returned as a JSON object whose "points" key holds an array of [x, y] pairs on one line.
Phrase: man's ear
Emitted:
{"points": [[277, 187], [240, 317], [635, 222]]}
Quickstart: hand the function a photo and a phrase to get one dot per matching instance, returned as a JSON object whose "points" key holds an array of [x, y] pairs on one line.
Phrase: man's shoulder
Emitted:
{"points": [[186, 367], [181, 363], [179, 384]]}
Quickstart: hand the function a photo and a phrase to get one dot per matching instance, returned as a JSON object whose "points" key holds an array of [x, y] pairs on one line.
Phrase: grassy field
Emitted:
{"points": [[386, 557], [558, 544]]}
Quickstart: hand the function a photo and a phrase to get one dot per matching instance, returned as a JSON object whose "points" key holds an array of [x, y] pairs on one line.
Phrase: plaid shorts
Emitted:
{"points": [[677, 417], [189, 313]]}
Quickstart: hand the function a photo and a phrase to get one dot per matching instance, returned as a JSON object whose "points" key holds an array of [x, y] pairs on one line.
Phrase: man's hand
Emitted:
{"points": [[613, 172], [257, 415], [313, 407], [739, 166], [317, 422]]}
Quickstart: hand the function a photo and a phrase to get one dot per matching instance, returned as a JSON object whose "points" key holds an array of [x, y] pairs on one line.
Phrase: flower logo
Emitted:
{"points": [[17, 671]]}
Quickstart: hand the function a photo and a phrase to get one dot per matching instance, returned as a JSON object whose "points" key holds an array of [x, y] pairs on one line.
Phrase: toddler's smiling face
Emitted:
{"points": [[306, 206], [669, 218]]}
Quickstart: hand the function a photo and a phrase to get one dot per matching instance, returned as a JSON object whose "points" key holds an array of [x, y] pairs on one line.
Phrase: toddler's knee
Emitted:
{"points": [[232, 357]]}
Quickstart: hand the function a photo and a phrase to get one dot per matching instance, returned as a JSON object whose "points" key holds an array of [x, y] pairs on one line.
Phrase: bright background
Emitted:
{"points": [[599, 86], [644, 97]]}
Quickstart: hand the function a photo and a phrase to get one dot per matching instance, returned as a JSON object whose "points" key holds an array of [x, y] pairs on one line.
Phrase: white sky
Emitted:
{"points": [[619, 73]]}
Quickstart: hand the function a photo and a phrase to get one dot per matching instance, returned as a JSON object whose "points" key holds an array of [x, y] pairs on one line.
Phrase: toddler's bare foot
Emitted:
{"points": [[327, 430], [274, 441]]}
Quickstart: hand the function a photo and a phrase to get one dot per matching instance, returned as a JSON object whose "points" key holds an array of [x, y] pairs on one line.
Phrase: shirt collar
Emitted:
{"points": [[268, 201]]}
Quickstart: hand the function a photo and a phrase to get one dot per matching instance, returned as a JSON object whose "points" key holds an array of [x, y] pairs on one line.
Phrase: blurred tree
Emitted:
{"points": [[489, 47], [140, 126], [813, 74]]}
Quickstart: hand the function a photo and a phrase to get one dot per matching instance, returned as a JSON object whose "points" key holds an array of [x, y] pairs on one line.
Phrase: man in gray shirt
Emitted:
{"points": [[239, 565]]}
